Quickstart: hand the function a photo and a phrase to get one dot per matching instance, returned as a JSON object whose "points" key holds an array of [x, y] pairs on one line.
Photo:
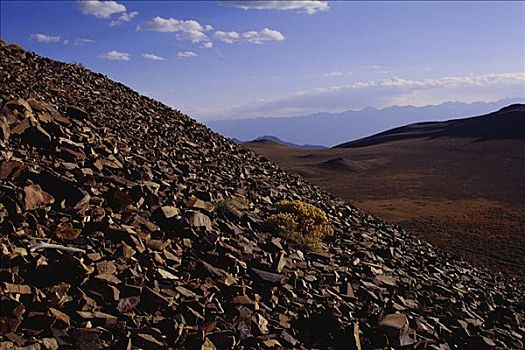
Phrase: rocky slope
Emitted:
{"points": [[111, 239]]}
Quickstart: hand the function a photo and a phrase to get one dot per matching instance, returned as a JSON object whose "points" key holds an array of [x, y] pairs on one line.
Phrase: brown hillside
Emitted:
{"points": [[127, 225]]}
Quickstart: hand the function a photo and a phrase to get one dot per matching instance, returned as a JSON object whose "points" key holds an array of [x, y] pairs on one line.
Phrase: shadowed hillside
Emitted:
{"points": [[505, 124]]}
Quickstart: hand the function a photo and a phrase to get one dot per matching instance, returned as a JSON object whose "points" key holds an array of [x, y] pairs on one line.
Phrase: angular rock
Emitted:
{"points": [[11, 169], [270, 277], [197, 219], [16, 288], [76, 113], [168, 212], [127, 304], [35, 197], [67, 232], [4, 130], [394, 325]]}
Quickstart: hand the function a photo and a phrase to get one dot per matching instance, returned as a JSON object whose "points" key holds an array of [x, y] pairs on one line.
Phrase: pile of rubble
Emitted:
{"points": [[125, 224]]}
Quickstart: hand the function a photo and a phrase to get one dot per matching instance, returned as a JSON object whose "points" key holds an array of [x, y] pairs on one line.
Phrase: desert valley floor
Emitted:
{"points": [[464, 195]]}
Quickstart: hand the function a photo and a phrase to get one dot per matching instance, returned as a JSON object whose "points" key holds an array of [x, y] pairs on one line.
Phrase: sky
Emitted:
{"points": [[245, 59]]}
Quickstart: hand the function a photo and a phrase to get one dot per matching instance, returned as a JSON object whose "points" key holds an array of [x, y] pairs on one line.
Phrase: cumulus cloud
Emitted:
{"points": [[186, 54], [227, 37], [255, 37], [115, 56], [193, 31], [258, 37], [128, 16], [125, 17], [335, 73], [380, 94], [82, 41], [44, 38], [185, 29], [153, 57], [309, 7], [100, 9]]}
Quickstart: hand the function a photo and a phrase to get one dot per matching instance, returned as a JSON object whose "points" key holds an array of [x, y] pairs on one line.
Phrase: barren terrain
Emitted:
{"points": [[127, 225], [464, 194]]}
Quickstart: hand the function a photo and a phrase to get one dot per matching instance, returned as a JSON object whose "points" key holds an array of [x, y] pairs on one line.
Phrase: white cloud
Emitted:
{"points": [[115, 56], [160, 24], [227, 37], [255, 37], [100, 9], [125, 17], [335, 73], [454, 82], [309, 7], [186, 29], [44, 38], [380, 94], [128, 16], [66, 41], [82, 41], [258, 37], [153, 57], [193, 31], [186, 54]]}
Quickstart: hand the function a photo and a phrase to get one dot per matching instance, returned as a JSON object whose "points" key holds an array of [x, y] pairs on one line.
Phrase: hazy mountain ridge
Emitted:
{"points": [[330, 129]]}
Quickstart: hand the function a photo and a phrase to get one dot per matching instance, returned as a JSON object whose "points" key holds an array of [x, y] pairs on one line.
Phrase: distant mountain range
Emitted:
{"points": [[329, 129]]}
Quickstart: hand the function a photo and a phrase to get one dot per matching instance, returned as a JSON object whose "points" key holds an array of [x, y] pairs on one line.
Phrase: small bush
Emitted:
{"points": [[300, 222]]}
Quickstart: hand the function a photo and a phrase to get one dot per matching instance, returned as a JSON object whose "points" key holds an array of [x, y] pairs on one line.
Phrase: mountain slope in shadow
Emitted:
{"points": [[506, 124]]}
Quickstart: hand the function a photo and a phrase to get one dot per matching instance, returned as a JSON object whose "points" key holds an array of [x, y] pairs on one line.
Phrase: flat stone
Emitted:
{"points": [[169, 211], [197, 219], [266, 276], [35, 197], [395, 324]]}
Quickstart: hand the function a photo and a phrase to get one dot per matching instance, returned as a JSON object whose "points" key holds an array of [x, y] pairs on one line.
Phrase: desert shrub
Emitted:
{"points": [[300, 222]]}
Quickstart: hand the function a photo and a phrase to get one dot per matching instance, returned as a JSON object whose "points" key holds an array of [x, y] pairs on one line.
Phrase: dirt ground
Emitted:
{"points": [[466, 197]]}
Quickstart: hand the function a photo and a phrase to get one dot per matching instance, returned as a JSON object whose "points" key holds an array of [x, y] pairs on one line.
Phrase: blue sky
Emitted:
{"points": [[220, 60]]}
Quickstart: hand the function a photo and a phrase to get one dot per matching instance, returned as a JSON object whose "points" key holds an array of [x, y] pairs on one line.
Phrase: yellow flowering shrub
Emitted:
{"points": [[300, 222]]}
